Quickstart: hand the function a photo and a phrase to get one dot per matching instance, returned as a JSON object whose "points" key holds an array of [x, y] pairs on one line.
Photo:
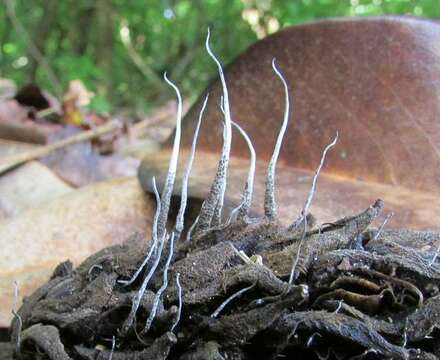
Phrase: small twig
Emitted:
{"points": [[159, 116], [388, 217], [159, 293], [18, 317], [270, 206], [184, 193], [154, 236], [229, 299], [46, 112], [35, 52], [240, 253], [179, 295], [11, 162]]}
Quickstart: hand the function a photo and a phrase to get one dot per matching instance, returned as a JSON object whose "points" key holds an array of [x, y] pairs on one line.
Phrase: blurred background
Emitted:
{"points": [[120, 49]]}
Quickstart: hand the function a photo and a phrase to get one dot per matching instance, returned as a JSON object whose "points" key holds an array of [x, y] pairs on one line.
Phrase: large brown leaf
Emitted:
{"points": [[375, 80]]}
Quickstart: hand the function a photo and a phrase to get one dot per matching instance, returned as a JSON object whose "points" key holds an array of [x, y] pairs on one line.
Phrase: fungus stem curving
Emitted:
{"points": [[179, 294], [154, 236], [159, 293], [246, 199], [184, 194], [215, 199], [172, 168], [270, 206], [305, 210], [137, 299]]}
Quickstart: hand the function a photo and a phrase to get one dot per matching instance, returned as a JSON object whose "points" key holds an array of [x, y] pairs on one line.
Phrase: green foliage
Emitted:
{"points": [[85, 39]]}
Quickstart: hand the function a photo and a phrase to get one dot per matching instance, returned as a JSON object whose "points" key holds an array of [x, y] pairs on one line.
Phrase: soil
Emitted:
{"points": [[355, 293]]}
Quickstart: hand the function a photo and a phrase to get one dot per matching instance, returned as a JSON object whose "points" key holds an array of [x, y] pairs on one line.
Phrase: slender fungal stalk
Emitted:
{"points": [[137, 299], [172, 168], [246, 199], [179, 295], [19, 320], [229, 299], [270, 206], [305, 210], [184, 194], [215, 199], [154, 236], [159, 293]]}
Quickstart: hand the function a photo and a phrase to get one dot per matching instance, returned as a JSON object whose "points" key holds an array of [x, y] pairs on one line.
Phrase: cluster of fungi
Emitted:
{"points": [[237, 287]]}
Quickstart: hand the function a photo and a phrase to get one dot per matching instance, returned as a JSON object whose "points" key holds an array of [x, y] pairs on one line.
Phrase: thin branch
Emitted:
{"points": [[13, 161], [143, 67], [246, 199], [159, 293], [229, 299], [215, 198], [270, 206], [172, 168], [179, 295], [35, 52], [154, 236], [241, 254], [312, 191], [184, 194]]}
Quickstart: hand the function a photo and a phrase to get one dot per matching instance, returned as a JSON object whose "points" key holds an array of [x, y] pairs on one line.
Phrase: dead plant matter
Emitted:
{"points": [[247, 288]]}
